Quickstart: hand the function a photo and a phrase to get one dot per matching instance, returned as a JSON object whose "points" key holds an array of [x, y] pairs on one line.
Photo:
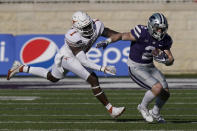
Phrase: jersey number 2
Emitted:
{"points": [[147, 55]]}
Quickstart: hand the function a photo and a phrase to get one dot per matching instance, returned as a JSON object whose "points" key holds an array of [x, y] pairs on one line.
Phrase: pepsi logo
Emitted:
{"points": [[39, 51]]}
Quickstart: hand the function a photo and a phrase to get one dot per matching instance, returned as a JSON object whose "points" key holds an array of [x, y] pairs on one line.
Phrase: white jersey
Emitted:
{"points": [[74, 39]]}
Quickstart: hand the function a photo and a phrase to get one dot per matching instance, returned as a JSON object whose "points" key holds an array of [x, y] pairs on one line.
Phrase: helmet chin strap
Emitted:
{"points": [[158, 35]]}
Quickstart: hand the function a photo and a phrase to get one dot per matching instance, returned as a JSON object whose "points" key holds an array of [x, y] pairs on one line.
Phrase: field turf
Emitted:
{"points": [[74, 109]]}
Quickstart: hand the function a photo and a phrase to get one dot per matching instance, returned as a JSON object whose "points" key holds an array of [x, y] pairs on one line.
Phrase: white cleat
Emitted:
{"points": [[145, 114], [116, 111], [157, 117], [15, 69]]}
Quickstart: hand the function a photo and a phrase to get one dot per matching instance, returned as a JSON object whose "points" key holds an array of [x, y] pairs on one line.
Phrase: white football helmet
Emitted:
{"points": [[83, 23]]}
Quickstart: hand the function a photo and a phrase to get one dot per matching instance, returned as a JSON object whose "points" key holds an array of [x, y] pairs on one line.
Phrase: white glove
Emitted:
{"points": [[108, 70]]}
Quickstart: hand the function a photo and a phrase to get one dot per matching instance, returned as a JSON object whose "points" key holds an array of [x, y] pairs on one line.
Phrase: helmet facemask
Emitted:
{"points": [[157, 26], [87, 31]]}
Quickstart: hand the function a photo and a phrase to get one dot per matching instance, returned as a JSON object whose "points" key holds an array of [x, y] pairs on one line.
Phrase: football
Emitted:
{"points": [[156, 52]]}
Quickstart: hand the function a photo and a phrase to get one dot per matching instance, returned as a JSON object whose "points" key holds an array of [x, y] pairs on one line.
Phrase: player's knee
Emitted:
{"points": [[51, 78], [157, 88], [165, 94], [93, 79], [94, 74]]}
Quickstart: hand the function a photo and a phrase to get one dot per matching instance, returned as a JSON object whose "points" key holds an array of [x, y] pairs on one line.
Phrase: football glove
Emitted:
{"points": [[108, 70], [161, 58], [103, 44]]}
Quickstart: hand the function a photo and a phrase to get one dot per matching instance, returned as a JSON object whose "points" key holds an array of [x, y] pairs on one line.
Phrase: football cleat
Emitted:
{"points": [[15, 69], [157, 117], [116, 111], [145, 114]]}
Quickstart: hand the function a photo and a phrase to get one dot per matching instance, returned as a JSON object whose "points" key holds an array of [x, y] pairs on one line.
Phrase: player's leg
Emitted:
{"points": [[161, 98], [18, 67], [99, 93], [56, 74], [143, 78], [75, 66], [38, 71]]}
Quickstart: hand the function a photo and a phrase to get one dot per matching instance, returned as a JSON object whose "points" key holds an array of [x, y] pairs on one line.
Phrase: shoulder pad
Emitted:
{"points": [[96, 20], [73, 38], [99, 26], [138, 31]]}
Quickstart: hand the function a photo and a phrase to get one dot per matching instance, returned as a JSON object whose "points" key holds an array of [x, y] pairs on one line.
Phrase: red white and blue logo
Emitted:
{"points": [[39, 52]]}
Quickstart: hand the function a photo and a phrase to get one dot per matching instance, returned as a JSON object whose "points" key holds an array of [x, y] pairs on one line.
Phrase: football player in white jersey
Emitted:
{"points": [[72, 57]]}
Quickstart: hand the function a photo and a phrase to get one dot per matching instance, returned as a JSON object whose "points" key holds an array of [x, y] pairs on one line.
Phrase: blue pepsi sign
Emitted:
{"points": [[115, 54], [7, 52], [40, 50]]}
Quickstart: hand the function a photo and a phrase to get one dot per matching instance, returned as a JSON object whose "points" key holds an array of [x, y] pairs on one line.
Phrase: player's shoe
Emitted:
{"points": [[145, 114], [157, 117], [15, 69], [116, 111]]}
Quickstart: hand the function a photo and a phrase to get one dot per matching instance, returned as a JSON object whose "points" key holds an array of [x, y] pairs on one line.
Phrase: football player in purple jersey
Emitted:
{"points": [[149, 43]]}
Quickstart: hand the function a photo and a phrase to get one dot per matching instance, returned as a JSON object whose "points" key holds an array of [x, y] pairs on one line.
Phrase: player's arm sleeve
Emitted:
{"points": [[137, 32], [168, 44], [168, 52], [81, 56], [99, 25]]}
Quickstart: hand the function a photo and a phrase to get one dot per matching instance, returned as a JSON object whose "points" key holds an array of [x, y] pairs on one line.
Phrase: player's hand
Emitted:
{"points": [[161, 58], [156, 52], [108, 70], [103, 43]]}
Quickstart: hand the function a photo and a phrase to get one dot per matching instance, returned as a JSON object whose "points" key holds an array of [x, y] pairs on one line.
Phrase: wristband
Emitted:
{"points": [[109, 40]]}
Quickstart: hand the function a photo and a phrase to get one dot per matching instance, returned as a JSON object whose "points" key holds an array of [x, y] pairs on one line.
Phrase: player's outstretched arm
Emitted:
{"points": [[81, 56], [113, 37]]}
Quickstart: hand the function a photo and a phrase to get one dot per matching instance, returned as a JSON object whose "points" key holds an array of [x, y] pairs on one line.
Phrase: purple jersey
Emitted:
{"points": [[140, 50]]}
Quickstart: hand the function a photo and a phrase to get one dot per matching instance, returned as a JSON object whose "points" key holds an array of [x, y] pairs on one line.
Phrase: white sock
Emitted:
{"points": [[108, 106], [38, 71], [148, 97], [158, 105], [26, 68]]}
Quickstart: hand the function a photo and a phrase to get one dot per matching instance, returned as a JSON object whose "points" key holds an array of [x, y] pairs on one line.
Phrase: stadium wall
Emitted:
{"points": [[45, 18]]}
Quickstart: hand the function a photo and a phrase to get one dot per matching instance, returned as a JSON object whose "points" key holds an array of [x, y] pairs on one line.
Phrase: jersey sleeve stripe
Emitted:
{"points": [[136, 33], [138, 29]]}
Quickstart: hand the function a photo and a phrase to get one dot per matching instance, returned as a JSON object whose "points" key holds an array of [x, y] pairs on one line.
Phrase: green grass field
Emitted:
{"points": [[79, 110]]}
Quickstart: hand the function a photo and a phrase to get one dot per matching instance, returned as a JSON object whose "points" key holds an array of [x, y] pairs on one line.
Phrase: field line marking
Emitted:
{"points": [[85, 93], [66, 122], [87, 103], [85, 115], [26, 98], [77, 122]]}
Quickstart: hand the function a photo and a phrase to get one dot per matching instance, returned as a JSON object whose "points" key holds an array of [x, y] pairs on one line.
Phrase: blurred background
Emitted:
{"points": [[23, 20]]}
